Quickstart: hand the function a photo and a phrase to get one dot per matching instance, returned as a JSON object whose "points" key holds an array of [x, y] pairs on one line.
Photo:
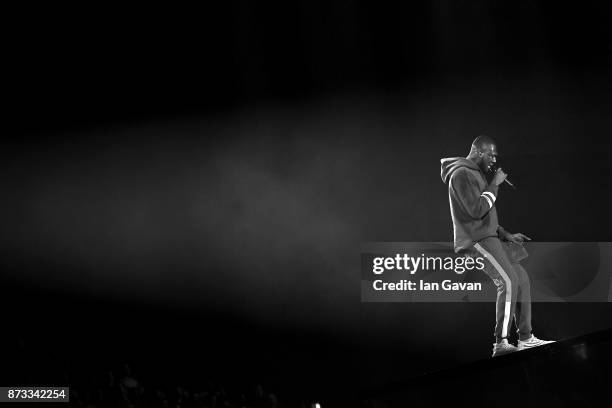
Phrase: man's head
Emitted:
{"points": [[483, 152]]}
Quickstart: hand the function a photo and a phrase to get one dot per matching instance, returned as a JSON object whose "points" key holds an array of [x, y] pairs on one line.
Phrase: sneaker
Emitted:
{"points": [[533, 341], [503, 347]]}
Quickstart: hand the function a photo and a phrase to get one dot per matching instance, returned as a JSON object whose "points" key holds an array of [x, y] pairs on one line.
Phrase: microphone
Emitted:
{"points": [[494, 169], [509, 183]]}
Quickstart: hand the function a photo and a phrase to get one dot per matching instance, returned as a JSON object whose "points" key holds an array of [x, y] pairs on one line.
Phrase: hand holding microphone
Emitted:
{"points": [[501, 177]]}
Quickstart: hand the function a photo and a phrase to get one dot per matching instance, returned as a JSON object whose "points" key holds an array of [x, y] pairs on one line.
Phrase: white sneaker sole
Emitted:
{"points": [[501, 353], [524, 347]]}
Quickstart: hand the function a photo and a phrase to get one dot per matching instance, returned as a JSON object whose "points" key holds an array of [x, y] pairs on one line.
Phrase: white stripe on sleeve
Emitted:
{"points": [[490, 195], [488, 200]]}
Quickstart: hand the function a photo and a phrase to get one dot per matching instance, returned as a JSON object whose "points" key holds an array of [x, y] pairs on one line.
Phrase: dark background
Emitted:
{"points": [[188, 190]]}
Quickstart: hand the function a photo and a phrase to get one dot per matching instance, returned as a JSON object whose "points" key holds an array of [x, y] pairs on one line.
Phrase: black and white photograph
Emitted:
{"points": [[307, 204]]}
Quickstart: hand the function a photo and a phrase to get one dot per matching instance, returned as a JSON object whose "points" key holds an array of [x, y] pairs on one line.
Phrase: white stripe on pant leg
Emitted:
{"points": [[506, 279]]}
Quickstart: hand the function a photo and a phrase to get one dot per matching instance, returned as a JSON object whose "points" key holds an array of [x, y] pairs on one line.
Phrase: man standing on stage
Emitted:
{"points": [[477, 233]]}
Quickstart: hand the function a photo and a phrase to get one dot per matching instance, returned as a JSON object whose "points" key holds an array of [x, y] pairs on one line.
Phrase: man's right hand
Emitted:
{"points": [[499, 177]]}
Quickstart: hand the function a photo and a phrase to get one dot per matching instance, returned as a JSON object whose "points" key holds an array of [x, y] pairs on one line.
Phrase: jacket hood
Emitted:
{"points": [[450, 164]]}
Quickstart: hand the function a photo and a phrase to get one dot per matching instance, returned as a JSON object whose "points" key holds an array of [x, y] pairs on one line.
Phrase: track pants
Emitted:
{"points": [[513, 289]]}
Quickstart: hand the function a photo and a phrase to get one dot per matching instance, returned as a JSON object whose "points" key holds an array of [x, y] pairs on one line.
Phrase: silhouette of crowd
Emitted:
{"points": [[96, 386], [125, 390], [122, 389]]}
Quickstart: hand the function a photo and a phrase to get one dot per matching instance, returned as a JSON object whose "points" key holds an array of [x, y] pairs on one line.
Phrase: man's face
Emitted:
{"points": [[488, 157]]}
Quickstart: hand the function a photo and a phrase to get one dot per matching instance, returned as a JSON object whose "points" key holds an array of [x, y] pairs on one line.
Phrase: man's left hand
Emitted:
{"points": [[517, 238]]}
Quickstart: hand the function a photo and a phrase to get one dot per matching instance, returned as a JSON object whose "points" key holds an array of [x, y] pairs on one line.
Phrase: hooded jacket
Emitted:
{"points": [[472, 202]]}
